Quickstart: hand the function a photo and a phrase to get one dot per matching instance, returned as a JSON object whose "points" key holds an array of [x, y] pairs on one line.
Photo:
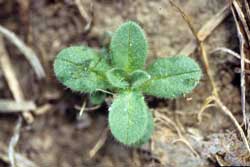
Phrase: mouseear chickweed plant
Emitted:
{"points": [[123, 71]]}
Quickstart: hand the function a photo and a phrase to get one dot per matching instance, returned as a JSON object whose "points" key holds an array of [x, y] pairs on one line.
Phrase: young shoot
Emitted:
{"points": [[123, 72]]}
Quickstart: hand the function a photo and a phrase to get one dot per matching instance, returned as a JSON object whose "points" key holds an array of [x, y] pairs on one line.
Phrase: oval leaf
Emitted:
{"points": [[138, 78], [128, 118], [172, 77], [81, 69], [117, 78], [129, 47]]}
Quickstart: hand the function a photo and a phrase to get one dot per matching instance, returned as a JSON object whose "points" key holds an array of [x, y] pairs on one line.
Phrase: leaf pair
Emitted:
{"points": [[123, 80], [166, 77], [84, 69]]}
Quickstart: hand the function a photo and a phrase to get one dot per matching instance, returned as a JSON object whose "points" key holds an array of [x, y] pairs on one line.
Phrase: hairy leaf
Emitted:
{"points": [[172, 77], [129, 47], [128, 118], [148, 132], [139, 77], [81, 69], [117, 78]]}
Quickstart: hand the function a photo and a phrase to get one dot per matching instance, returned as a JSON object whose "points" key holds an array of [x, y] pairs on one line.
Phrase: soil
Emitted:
{"points": [[58, 138]]}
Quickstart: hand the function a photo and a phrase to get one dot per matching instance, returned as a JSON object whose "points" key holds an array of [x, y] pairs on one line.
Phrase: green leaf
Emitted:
{"points": [[81, 69], [104, 52], [117, 78], [138, 78], [128, 118], [129, 47], [148, 133], [172, 77], [97, 98]]}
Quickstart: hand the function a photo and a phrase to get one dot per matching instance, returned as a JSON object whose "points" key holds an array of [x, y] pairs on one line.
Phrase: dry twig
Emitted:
{"points": [[105, 91], [99, 143], [230, 52], [84, 14], [206, 30], [237, 13], [230, 115], [165, 120], [220, 160], [21, 160], [13, 142], [14, 106], [11, 79], [205, 106], [27, 51], [82, 109], [43, 109], [88, 108]]}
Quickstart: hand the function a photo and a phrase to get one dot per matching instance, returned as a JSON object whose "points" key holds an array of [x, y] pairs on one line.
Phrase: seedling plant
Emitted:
{"points": [[122, 70]]}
